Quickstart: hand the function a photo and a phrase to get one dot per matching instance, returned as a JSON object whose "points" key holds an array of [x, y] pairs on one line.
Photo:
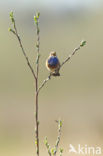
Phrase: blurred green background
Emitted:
{"points": [[76, 96]]}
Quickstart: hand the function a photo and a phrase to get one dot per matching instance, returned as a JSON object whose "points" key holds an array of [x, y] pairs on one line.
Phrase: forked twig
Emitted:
{"points": [[20, 43], [65, 61], [53, 151], [58, 137]]}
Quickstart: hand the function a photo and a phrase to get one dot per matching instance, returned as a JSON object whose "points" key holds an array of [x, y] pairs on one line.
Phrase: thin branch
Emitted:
{"points": [[36, 122], [44, 82], [20, 43], [58, 137], [53, 151], [69, 57], [38, 48], [47, 146], [36, 19], [66, 60]]}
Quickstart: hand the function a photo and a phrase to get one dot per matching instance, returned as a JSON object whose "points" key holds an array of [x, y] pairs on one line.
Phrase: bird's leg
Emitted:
{"points": [[56, 73]]}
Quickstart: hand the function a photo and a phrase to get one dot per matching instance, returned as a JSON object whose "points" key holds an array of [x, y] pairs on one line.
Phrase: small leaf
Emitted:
{"points": [[9, 29], [52, 151], [60, 122], [35, 19], [61, 150], [83, 43], [36, 142], [45, 141], [12, 16], [38, 15]]}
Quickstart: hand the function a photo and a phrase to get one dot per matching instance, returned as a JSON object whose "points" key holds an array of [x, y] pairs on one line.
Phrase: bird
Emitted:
{"points": [[53, 64]]}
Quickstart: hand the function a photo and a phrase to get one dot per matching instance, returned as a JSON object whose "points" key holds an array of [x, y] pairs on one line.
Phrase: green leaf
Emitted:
{"points": [[52, 151], [59, 124], [83, 43], [12, 16], [35, 19], [38, 15], [61, 150], [36, 142], [45, 141], [9, 29]]}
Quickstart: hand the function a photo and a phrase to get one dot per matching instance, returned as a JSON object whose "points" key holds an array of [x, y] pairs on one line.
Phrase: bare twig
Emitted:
{"points": [[44, 82], [47, 146], [53, 151], [36, 19], [69, 57], [58, 137], [36, 120], [20, 43], [66, 60]]}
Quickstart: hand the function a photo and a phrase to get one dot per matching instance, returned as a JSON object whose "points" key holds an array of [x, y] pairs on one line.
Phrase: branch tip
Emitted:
{"points": [[83, 43]]}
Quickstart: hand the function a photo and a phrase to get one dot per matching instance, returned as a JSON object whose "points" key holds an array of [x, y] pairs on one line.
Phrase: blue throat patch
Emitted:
{"points": [[53, 61]]}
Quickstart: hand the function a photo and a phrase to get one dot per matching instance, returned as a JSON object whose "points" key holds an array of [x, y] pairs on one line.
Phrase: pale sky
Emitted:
{"points": [[56, 4]]}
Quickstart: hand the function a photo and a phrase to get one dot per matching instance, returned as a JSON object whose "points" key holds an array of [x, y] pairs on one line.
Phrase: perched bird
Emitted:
{"points": [[53, 64]]}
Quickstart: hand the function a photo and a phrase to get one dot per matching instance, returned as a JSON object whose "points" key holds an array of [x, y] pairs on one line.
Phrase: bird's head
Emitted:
{"points": [[53, 53]]}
